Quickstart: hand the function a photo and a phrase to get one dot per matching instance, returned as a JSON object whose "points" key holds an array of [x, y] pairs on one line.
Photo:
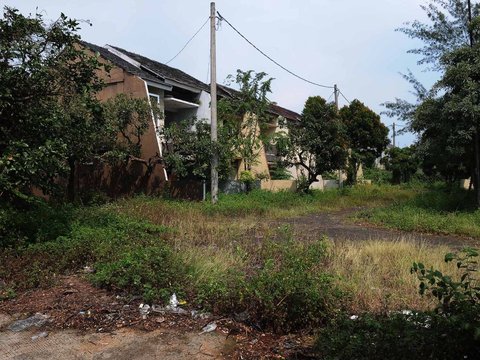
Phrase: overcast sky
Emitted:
{"points": [[348, 42]]}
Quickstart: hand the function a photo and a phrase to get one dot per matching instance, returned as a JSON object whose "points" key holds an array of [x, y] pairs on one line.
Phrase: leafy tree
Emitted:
{"points": [[247, 111], [367, 136], [189, 149], [446, 116], [51, 118], [402, 162], [47, 104], [318, 141]]}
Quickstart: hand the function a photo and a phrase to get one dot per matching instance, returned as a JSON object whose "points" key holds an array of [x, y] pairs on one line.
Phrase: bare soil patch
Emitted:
{"points": [[90, 323]]}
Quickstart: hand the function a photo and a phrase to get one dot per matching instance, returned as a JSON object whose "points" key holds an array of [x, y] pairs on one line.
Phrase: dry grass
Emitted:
{"points": [[215, 240], [377, 273]]}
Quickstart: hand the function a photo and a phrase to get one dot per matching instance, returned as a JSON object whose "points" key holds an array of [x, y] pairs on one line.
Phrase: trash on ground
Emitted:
{"points": [[35, 320], [144, 310], [354, 317], [88, 270], [200, 315], [209, 327], [43, 334]]}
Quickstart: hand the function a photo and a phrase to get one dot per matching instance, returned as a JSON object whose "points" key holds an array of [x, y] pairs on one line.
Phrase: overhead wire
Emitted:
{"points": [[269, 58], [188, 42], [348, 101]]}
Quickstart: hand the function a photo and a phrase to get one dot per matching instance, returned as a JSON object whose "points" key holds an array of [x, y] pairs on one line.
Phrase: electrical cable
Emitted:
{"points": [[348, 101], [269, 58], [188, 42]]}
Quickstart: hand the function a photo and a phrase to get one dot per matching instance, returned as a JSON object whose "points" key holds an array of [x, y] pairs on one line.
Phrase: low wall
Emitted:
{"points": [[278, 185]]}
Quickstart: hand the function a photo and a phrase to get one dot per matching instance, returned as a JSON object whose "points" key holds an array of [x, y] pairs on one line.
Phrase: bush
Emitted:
{"points": [[397, 336], [378, 176], [452, 331], [291, 290], [155, 272]]}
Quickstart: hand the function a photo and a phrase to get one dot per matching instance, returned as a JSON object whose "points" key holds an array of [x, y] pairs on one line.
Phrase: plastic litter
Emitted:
{"points": [[35, 320], [171, 308], [144, 310], [43, 334], [209, 327], [200, 315], [354, 317]]}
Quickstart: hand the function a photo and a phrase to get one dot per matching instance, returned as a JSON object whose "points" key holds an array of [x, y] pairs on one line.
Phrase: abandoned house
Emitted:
{"points": [[180, 96]]}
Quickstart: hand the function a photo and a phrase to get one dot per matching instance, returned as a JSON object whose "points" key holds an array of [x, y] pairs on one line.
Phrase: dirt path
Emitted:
{"points": [[86, 323], [337, 226], [125, 344]]}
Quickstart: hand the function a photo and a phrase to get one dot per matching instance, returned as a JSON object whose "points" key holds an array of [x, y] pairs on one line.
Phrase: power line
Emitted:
{"points": [[188, 42], [269, 58], [348, 101]]}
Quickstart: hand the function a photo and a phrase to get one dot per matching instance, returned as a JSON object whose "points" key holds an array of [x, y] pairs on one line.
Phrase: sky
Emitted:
{"points": [[350, 43]]}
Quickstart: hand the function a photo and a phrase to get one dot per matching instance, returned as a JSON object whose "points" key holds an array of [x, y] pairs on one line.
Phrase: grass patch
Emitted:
{"points": [[226, 258], [436, 210]]}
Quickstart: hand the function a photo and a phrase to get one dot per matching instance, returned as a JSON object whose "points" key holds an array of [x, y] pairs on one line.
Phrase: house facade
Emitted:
{"points": [[179, 96]]}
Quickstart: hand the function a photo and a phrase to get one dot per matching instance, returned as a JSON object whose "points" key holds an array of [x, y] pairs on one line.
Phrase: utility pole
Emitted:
{"points": [[477, 136], [213, 105], [335, 92], [394, 134]]}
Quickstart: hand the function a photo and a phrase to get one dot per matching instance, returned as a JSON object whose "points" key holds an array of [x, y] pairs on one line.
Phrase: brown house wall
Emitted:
{"points": [[124, 178]]}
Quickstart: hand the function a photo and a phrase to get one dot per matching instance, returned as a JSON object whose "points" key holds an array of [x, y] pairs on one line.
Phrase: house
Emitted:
{"points": [[180, 96]]}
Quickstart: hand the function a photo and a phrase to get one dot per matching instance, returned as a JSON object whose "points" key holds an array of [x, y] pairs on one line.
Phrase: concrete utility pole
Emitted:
{"points": [[335, 92], [394, 134], [213, 105]]}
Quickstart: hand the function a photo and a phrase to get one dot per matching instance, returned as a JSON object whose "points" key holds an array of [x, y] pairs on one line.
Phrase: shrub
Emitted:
{"points": [[397, 336], [154, 272], [452, 331], [291, 290]]}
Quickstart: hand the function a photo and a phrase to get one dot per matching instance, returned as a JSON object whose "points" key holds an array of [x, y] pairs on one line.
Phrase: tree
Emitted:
{"points": [[318, 143], [47, 102], [189, 149], [446, 116], [402, 162], [247, 111], [367, 136], [51, 119]]}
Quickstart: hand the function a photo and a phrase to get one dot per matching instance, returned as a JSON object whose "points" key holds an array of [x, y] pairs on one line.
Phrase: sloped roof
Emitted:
{"points": [[132, 69], [159, 72], [166, 71]]}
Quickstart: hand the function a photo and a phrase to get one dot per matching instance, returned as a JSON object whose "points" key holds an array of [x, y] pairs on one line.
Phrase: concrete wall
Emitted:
{"points": [[279, 185]]}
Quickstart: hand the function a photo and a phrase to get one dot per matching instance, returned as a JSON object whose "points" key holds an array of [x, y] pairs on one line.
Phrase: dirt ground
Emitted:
{"points": [[89, 323]]}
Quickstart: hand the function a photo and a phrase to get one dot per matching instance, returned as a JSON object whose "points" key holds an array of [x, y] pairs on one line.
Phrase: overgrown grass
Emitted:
{"points": [[436, 210], [227, 258], [377, 273]]}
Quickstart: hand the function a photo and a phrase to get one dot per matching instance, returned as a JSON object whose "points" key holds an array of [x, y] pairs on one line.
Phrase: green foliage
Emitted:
{"points": [[189, 150], [247, 112], [47, 104], [155, 272], [367, 136], [402, 162], [444, 116], [435, 210], [291, 291], [455, 297], [378, 176], [397, 336], [318, 142]]}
